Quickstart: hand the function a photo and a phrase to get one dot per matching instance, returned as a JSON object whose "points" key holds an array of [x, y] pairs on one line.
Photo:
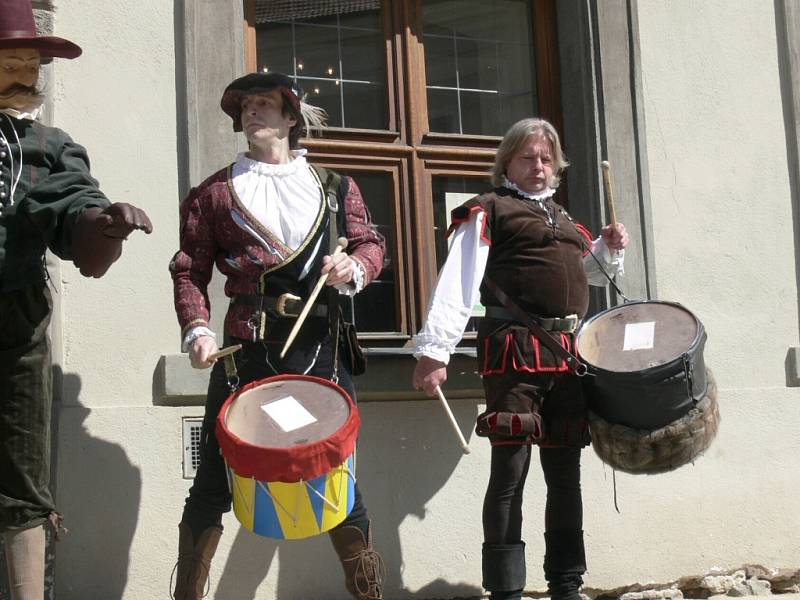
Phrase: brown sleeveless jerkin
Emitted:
{"points": [[536, 257]]}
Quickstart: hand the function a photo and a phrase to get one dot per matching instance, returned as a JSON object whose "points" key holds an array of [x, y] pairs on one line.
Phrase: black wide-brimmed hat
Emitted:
{"points": [[18, 30], [255, 83]]}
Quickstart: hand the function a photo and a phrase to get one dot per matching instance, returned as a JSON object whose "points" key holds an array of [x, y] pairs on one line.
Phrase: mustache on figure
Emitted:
{"points": [[18, 88]]}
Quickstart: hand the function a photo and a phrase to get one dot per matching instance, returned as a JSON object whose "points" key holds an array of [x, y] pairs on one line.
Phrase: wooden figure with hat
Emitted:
{"points": [[48, 200]]}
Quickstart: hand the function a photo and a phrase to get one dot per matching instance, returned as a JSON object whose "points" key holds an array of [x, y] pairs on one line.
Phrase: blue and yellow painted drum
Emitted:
{"points": [[289, 446], [292, 511]]}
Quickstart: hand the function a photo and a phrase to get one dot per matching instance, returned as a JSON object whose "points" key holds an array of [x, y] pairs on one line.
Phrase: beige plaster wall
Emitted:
{"points": [[723, 226], [721, 204]]}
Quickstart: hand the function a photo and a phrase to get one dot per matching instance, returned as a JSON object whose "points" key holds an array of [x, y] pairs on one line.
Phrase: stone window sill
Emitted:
{"points": [[388, 377]]}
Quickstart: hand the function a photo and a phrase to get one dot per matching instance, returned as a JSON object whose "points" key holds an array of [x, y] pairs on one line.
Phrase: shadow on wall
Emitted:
{"points": [[399, 471], [98, 491]]}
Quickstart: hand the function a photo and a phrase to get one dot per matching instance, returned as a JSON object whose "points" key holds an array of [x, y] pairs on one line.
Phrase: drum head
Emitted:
{"points": [[287, 413], [638, 336]]}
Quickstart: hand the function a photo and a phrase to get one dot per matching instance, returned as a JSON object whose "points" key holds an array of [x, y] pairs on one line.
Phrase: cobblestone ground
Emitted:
{"points": [[750, 582]]}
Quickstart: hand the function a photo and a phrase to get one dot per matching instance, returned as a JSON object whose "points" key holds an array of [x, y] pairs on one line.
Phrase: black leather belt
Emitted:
{"points": [[565, 324], [285, 305]]}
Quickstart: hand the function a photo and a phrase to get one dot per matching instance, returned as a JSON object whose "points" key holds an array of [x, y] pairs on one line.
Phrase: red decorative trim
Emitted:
{"points": [[455, 221], [295, 463], [503, 362], [587, 234], [516, 425], [562, 367]]}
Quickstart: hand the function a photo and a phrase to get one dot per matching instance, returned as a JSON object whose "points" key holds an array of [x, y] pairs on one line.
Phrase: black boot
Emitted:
{"points": [[504, 570], [564, 563]]}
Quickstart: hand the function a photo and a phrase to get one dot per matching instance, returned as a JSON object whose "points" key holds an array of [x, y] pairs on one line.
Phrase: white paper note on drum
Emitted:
{"points": [[639, 336], [288, 413]]}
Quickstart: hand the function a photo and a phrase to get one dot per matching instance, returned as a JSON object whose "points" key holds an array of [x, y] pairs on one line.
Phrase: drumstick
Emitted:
{"points": [[606, 166], [224, 352], [341, 244], [456, 428]]}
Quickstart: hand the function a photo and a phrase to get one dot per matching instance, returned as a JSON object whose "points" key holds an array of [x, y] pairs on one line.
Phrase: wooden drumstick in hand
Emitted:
{"points": [[341, 244], [456, 428], [606, 166], [221, 353]]}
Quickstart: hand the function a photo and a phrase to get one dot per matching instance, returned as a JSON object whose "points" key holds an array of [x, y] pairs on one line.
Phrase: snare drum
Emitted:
{"points": [[289, 448], [652, 402], [645, 362]]}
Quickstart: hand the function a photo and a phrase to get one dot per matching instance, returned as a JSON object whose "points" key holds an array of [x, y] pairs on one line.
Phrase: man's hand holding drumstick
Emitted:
{"points": [[340, 268], [614, 235], [429, 374]]}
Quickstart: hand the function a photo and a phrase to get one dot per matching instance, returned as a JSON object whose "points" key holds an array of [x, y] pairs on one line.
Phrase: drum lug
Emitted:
{"points": [[231, 372], [689, 372], [580, 369]]}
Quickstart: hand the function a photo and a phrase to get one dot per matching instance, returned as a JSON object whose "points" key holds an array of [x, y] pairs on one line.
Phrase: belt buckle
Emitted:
{"points": [[280, 304], [572, 321]]}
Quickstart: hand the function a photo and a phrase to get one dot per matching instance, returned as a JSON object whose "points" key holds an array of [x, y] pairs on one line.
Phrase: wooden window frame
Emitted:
{"points": [[414, 154]]}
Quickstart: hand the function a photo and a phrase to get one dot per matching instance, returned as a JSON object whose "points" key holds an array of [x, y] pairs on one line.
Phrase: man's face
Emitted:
{"points": [[531, 168], [263, 118], [19, 72]]}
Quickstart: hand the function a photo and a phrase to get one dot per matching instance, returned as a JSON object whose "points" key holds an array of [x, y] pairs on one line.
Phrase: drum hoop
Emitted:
{"points": [[322, 456], [697, 343]]}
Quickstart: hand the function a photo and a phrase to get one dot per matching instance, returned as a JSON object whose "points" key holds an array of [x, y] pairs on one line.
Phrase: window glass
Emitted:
{"points": [[375, 308], [478, 64], [335, 50]]}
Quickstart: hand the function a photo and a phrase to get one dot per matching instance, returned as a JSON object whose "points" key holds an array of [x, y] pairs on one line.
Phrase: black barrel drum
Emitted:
{"points": [[652, 401]]}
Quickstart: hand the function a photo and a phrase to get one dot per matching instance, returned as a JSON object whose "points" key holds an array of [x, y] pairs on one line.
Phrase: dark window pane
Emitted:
{"points": [[329, 46], [437, 15], [480, 113], [440, 61], [514, 18], [515, 70], [477, 64], [362, 103], [274, 48], [447, 194], [443, 113], [313, 56], [376, 306], [363, 54], [474, 19], [325, 94], [363, 20], [491, 72]]}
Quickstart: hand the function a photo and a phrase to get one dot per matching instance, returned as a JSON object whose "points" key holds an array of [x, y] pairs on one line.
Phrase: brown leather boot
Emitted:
{"points": [[194, 562], [363, 567]]}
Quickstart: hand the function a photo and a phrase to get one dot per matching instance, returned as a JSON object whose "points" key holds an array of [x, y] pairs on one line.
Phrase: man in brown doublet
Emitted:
{"points": [[522, 240]]}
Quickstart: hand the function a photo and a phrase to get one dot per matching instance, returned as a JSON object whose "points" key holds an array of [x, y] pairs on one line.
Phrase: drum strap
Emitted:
{"points": [[331, 187], [594, 256], [574, 364]]}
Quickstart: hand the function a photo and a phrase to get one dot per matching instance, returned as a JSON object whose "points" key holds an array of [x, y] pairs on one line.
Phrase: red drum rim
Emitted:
{"points": [[293, 464]]}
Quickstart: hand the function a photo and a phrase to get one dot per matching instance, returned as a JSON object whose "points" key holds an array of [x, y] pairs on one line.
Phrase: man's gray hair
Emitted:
{"points": [[516, 137]]}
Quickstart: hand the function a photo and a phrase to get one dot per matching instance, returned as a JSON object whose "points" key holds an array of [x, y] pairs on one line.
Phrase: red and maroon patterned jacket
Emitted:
{"points": [[210, 236]]}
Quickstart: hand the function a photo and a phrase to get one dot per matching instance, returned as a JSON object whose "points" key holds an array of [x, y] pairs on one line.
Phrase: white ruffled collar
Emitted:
{"points": [[31, 113], [270, 170], [540, 196]]}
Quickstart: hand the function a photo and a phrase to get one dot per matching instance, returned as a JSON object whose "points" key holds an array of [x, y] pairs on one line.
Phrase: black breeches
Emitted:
{"points": [[502, 506]]}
